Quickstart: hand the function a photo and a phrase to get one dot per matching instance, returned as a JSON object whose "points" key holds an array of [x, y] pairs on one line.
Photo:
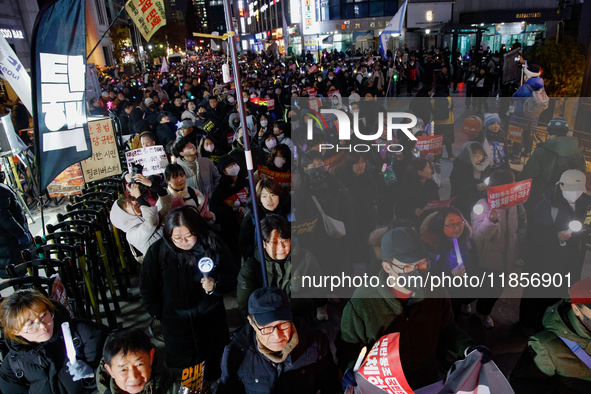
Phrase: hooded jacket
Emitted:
{"points": [[162, 380], [43, 365], [141, 232], [547, 365], [547, 163], [463, 183], [201, 174], [308, 369], [522, 94]]}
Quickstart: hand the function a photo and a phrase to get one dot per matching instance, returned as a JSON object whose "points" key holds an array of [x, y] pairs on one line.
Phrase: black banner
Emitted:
{"points": [[59, 66]]}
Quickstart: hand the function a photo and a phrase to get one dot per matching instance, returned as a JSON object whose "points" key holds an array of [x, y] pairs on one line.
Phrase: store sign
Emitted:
{"points": [[428, 14], [528, 15], [12, 33], [510, 28], [309, 17], [294, 8]]}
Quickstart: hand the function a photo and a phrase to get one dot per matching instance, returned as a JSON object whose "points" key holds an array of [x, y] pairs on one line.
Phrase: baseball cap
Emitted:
{"points": [[269, 304], [148, 101], [405, 245], [185, 124], [580, 293], [573, 181]]}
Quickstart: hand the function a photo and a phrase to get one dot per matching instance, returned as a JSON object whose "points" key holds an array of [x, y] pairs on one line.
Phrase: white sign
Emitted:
{"points": [[510, 28], [153, 159], [309, 17], [428, 14], [13, 71], [12, 33], [294, 8]]}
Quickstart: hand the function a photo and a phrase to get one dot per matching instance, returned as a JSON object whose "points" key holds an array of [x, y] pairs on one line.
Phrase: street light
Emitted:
{"points": [[150, 47]]}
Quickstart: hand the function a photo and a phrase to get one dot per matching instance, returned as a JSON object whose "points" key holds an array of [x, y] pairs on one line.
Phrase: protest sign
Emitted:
{"points": [[68, 183], [283, 178], [205, 206], [239, 198], [192, 377], [104, 161], [436, 205], [430, 144], [505, 196], [148, 15], [515, 134], [334, 162], [153, 159], [315, 103], [305, 227]]}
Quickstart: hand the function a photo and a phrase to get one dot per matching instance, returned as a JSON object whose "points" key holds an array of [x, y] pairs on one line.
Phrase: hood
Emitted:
{"points": [[136, 114], [431, 239], [231, 119], [560, 320], [465, 155], [122, 220], [536, 83], [563, 146]]}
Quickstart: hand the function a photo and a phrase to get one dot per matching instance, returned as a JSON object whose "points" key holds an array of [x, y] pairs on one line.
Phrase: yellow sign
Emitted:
{"points": [[104, 161], [148, 15]]}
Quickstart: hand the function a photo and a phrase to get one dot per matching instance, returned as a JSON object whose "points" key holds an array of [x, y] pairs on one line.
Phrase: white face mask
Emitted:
{"points": [[233, 170], [231, 100], [271, 144], [571, 196], [264, 123], [253, 95], [245, 99], [279, 162], [208, 147], [331, 78]]}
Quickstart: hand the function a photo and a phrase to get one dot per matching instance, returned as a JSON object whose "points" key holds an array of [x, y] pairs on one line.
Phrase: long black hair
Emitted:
{"points": [[189, 217], [437, 224]]}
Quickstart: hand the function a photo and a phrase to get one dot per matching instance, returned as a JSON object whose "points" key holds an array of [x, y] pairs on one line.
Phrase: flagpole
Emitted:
{"points": [[105, 33], [246, 136]]}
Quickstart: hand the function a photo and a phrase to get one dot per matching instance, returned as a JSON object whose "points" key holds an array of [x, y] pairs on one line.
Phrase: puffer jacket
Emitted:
{"points": [[41, 368], [548, 365], [205, 177], [308, 369], [162, 381], [499, 243], [141, 232]]}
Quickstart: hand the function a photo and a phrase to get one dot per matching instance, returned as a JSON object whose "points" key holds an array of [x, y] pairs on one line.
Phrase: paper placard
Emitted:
{"points": [[104, 161], [505, 196], [152, 158], [436, 205], [241, 197], [283, 178], [515, 134], [430, 144]]}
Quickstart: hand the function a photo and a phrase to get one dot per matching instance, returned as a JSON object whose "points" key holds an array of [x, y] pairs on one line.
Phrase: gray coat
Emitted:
{"points": [[205, 178]]}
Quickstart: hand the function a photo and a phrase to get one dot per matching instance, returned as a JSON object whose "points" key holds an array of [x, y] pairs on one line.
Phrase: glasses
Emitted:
{"points": [[420, 265], [269, 330], [455, 226], [283, 242], [30, 328], [187, 238]]}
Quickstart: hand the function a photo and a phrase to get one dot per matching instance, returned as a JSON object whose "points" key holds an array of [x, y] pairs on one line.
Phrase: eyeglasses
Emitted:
{"points": [[421, 265], [187, 238], [455, 226], [283, 242], [269, 330], [30, 328]]}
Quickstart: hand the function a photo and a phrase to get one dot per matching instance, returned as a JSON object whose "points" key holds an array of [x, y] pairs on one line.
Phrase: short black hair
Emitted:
{"points": [[127, 341], [275, 222], [172, 171], [179, 146], [127, 104]]}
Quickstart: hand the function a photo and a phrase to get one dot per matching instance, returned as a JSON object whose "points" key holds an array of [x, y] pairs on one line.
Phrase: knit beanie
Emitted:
{"points": [[491, 118]]}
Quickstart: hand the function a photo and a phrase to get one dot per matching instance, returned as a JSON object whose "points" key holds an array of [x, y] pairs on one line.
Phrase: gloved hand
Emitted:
{"points": [[24, 240], [80, 370], [486, 353], [349, 379]]}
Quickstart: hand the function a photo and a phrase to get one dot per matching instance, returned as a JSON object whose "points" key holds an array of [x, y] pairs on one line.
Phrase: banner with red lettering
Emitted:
{"points": [[382, 369], [239, 198], [505, 196], [313, 68], [515, 133], [283, 178], [148, 15], [315, 104], [332, 163], [436, 205], [430, 144]]}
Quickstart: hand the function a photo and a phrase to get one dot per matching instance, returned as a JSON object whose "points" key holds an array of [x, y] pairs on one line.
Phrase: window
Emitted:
{"points": [[100, 12], [376, 9], [334, 12], [390, 7]]}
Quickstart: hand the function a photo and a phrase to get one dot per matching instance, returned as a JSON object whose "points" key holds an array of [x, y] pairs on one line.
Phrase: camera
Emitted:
{"points": [[136, 169]]}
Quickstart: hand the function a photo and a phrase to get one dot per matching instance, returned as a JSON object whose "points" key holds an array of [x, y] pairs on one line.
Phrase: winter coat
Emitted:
{"points": [[141, 232], [165, 133], [414, 197], [463, 183], [162, 380], [189, 115], [40, 368], [425, 325], [308, 369], [499, 243], [13, 225], [285, 140], [547, 163], [258, 157], [201, 174], [548, 365], [283, 274], [522, 94]]}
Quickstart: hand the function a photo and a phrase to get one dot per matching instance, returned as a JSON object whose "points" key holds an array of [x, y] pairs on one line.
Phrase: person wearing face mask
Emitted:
{"points": [[492, 138], [467, 178], [208, 148], [263, 127], [279, 159], [200, 171], [423, 318], [280, 129], [237, 152], [552, 248], [551, 361], [269, 141]]}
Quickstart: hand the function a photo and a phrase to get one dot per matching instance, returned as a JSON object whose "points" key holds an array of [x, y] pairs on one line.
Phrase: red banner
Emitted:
{"points": [[283, 178], [204, 206], [505, 196], [313, 68], [311, 92], [333, 162], [430, 144], [382, 367], [436, 205], [315, 104], [239, 197], [230, 137], [515, 134]]}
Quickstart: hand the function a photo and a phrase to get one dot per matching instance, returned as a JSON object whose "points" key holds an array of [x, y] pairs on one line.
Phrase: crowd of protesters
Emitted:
{"points": [[201, 207]]}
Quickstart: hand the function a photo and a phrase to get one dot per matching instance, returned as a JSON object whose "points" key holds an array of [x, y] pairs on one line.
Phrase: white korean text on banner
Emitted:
{"points": [[505, 196], [430, 144], [104, 161], [59, 45], [152, 158], [12, 70], [148, 15]]}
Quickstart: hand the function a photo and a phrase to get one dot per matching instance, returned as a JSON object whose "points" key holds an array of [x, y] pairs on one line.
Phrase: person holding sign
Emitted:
{"points": [[129, 365], [417, 191], [38, 361], [553, 247], [467, 178], [499, 235]]}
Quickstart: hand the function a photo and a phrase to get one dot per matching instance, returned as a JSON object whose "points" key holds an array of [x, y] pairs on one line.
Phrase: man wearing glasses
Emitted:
{"points": [[399, 303], [275, 353]]}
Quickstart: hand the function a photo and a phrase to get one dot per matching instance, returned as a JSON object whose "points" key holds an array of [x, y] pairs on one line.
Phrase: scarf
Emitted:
{"points": [[279, 357]]}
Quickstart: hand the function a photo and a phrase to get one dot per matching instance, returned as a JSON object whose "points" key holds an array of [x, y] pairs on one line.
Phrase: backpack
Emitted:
{"points": [[135, 142], [497, 66], [536, 103], [440, 108]]}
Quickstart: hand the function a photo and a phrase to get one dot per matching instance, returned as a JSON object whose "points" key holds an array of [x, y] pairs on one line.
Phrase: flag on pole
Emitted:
{"points": [[12, 71], [148, 15], [214, 45], [393, 27], [164, 67], [328, 40], [59, 107]]}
